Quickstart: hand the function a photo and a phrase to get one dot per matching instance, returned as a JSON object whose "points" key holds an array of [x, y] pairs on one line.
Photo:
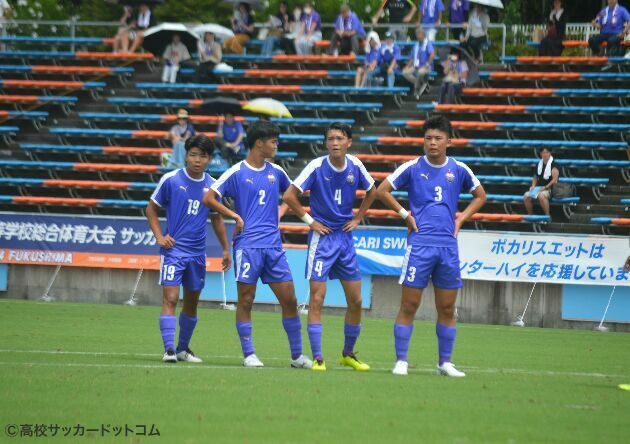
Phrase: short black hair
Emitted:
{"points": [[439, 123], [542, 148], [201, 141], [262, 130], [339, 126]]}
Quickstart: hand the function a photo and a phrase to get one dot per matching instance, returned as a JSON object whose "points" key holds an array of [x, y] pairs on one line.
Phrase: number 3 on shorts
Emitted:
{"points": [[411, 274]]}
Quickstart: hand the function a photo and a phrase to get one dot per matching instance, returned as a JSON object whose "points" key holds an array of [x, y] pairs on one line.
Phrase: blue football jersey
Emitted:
{"points": [[186, 216], [433, 194], [333, 190], [255, 193]]}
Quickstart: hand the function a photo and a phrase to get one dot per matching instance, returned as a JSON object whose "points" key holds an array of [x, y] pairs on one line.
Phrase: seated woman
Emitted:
{"points": [[551, 45], [143, 22], [173, 56], [371, 60], [280, 26], [243, 27], [210, 55], [121, 39], [455, 75]]}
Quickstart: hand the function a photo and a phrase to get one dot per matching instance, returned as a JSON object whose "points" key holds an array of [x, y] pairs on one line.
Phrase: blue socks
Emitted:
{"points": [[186, 328], [446, 341], [244, 330], [351, 334], [402, 336], [293, 328], [315, 338], [168, 324]]}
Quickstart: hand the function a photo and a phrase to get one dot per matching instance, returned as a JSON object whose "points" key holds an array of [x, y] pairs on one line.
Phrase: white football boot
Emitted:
{"points": [[400, 368], [301, 362], [448, 369], [252, 361], [188, 356]]}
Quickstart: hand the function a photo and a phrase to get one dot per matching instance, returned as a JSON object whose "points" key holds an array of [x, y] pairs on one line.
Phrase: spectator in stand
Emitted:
{"points": [[173, 56], [476, 32], [143, 22], [399, 12], [370, 62], [388, 58], [545, 176], [430, 16], [5, 13], [280, 26], [210, 55], [121, 39], [243, 27], [348, 32], [179, 133], [455, 74], [612, 21], [230, 138], [457, 17], [310, 30], [420, 63], [551, 44]]}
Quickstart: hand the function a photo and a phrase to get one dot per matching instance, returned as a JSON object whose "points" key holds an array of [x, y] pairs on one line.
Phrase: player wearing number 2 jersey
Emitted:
{"points": [[434, 182], [183, 245], [255, 186], [333, 181]]}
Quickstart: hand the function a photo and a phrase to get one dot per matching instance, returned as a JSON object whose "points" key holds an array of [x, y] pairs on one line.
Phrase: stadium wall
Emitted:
{"points": [[485, 302]]}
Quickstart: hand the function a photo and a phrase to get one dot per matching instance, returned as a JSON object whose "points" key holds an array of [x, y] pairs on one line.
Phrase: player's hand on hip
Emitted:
{"points": [[458, 225], [240, 225], [411, 224], [320, 228], [166, 242], [226, 262], [351, 224]]}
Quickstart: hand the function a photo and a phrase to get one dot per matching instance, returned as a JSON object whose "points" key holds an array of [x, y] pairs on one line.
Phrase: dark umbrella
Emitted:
{"points": [[473, 68], [222, 105], [255, 4], [157, 38]]}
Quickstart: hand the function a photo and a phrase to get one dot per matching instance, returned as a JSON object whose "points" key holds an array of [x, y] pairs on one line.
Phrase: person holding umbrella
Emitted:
{"points": [[174, 54], [476, 32], [210, 55], [243, 27]]}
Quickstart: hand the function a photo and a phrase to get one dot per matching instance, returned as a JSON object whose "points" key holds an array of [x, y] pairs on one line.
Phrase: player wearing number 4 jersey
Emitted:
{"points": [[183, 245], [255, 185], [434, 182], [333, 181]]}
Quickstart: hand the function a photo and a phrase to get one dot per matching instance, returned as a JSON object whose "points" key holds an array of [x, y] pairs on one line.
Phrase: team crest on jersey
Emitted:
{"points": [[450, 177], [272, 178], [350, 178]]}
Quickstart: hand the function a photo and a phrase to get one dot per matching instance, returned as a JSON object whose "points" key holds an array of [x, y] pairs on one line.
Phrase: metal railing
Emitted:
{"points": [[521, 34]]}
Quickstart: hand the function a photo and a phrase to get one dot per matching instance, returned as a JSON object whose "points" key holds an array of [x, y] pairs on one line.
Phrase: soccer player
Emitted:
{"points": [[183, 245], [255, 185], [433, 182], [333, 181]]}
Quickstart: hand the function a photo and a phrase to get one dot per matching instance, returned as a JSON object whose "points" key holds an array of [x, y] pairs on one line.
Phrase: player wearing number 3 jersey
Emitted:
{"points": [[255, 186], [183, 244], [433, 182]]}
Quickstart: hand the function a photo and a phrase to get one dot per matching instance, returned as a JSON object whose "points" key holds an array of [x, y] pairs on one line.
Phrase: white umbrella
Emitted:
{"points": [[157, 38], [220, 32], [270, 107], [492, 3]]}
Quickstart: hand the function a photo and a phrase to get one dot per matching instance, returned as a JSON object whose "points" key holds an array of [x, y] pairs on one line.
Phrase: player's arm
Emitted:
{"points": [[368, 200], [534, 182], [219, 229], [211, 200], [290, 198], [154, 223], [384, 194], [379, 12], [479, 198], [555, 175], [412, 12]]}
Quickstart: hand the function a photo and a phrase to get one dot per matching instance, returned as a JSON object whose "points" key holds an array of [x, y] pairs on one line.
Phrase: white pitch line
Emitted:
{"points": [[473, 370]]}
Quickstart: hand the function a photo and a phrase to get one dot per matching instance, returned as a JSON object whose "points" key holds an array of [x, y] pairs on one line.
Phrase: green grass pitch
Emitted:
{"points": [[69, 364]]}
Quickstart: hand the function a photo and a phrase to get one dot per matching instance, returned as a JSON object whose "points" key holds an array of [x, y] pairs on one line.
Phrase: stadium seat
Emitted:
{"points": [[47, 84], [70, 70], [277, 89], [506, 109]]}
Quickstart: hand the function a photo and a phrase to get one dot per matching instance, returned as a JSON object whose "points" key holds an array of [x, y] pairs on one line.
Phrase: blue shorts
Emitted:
{"points": [[441, 264], [268, 264], [187, 271], [332, 256]]}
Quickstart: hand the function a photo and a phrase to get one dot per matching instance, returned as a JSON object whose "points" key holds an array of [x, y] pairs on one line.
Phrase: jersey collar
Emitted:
{"points": [[255, 169], [194, 180], [345, 165], [435, 166]]}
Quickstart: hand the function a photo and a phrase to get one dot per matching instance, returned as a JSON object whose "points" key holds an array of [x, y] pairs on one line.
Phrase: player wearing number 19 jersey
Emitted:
{"points": [[333, 181], [183, 245], [434, 182], [255, 186]]}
